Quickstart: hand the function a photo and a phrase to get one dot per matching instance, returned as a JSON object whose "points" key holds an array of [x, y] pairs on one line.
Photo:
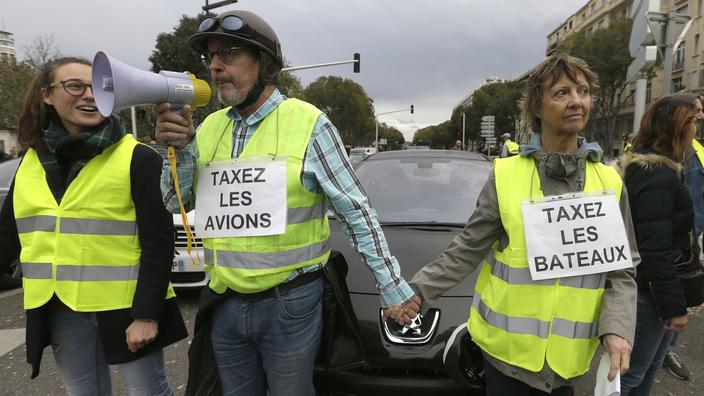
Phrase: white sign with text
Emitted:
{"points": [[241, 198], [577, 234]]}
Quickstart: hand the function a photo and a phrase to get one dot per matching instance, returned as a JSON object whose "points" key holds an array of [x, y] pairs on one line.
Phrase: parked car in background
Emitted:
{"points": [[423, 199], [359, 153], [13, 278]]}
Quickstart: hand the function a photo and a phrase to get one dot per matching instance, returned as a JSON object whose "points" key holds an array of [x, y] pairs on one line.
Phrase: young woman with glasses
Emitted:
{"points": [[84, 215]]}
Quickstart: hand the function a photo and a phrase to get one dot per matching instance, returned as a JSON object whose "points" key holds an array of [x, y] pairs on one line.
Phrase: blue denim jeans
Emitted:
{"points": [[650, 345], [79, 356], [269, 344]]}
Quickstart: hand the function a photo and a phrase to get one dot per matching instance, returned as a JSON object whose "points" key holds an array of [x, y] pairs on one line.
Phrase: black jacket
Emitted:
{"points": [[663, 218], [156, 237]]}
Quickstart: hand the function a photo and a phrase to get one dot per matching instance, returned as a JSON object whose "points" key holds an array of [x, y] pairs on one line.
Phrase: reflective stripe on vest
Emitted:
{"points": [[247, 260], [527, 323], [253, 264], [86, 249], [521, 276], [538, 328], [76, 226]]}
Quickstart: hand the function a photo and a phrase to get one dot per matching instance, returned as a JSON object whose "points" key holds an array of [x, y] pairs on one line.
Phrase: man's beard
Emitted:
{"points": [[234, 97]]}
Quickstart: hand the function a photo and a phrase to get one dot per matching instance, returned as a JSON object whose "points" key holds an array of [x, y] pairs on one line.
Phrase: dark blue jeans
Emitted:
{"points": [[651, 343], [270, 344]]}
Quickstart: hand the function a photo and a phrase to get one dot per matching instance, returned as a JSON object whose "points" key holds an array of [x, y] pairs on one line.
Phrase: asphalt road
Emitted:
{"points": [[15, 372]]}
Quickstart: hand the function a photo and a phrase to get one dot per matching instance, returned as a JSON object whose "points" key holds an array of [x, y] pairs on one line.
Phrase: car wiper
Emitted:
{"points": [[421, 224]]}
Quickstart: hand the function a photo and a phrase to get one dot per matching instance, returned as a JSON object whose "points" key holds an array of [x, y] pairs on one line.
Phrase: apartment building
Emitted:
{"points": [[596, 14], [7, 46]]}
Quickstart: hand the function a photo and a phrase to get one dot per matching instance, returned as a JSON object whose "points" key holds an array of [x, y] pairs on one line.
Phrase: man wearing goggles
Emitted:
{"points": [[266, 321]]}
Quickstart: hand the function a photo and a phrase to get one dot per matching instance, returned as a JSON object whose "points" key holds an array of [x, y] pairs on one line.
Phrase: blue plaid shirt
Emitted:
{"points": [[326, 169]]}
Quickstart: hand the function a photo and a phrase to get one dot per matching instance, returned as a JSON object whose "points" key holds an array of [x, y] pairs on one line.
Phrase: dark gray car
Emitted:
{"points": [[423, 199], [7, 173]]}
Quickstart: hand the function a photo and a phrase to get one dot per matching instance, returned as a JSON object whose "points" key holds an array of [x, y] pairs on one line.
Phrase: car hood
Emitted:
{"points": [[413, 246]]}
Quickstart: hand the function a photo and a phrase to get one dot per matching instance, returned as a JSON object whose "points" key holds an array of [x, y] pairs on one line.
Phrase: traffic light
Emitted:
{"points": [[356, 64], [411, 109]]}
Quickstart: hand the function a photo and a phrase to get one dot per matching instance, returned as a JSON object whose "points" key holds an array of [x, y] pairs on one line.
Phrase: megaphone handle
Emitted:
{"points": [[176, 108]]}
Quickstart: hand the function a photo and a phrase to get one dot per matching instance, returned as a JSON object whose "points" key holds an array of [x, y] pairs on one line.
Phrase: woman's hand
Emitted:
{"points": [[677, 324], [140, 333]]}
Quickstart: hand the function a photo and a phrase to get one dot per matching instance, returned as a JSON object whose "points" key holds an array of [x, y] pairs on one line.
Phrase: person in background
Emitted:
{"points": [[508, 147], [694, 180], [663, 221], [267, 287], [528, 330], [457, 146], [85, 217]]}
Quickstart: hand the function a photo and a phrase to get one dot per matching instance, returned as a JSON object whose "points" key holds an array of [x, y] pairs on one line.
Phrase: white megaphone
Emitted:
{"points": [[117, 86]]}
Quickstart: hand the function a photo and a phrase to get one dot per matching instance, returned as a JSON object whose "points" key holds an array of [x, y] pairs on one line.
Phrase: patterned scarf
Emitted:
{"points": [[64, 155]]}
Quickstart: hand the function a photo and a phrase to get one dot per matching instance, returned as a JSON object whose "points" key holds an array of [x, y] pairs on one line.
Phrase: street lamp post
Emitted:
{"points": [[376, 123]]}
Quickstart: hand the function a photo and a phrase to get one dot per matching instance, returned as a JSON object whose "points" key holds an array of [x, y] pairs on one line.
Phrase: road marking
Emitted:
{"points": [[10, 339]]}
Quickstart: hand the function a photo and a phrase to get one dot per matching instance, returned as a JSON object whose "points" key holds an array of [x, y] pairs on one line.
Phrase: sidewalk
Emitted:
{"points": [[690, 349]]}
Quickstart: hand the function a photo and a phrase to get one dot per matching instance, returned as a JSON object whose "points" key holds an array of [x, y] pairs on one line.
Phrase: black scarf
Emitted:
{"points": [[63, 155]]}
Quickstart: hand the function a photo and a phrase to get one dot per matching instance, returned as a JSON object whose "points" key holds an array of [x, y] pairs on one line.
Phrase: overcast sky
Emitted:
{"points": [[429, 53]]}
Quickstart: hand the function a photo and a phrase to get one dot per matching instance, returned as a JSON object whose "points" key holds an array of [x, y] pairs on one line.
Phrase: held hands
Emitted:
{"points": [[175, 128], [404, 314], [140, 333], [677, 324], [620, 352]]}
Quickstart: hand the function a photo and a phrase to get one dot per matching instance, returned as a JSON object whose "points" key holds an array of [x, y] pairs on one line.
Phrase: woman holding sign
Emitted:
{"points": [[84, 215], [538, 318], [663, 220]]}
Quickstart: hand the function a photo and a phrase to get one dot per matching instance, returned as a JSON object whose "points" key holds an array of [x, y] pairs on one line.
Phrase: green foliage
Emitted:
{"points": [[394, 137], [498, 99], [347, 105], [606, 52], [439, 136], [289, 85], [14, 81]]}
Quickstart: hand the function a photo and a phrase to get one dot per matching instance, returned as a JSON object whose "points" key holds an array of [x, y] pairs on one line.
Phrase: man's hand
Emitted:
{"points": [[677, 324], [140, 333], [620, 352], [404, 314], [174, 128]]}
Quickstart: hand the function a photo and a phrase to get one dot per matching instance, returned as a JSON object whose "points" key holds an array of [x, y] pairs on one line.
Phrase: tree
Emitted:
{"points": [[41, 51], [14, 81], [394, 137], [606, 52], [498, 99], [347, 105]]}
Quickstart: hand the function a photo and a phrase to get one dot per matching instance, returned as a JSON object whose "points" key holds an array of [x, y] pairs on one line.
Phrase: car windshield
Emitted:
{"points": [[422, 190]]}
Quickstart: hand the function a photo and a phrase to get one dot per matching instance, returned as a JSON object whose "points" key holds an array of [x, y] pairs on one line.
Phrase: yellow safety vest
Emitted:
{"points": [[85, 250], [699, 150], [511, 147], [253, 264], [524, 322]]}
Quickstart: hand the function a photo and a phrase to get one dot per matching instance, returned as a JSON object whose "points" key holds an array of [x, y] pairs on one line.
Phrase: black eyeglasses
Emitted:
{"points": [[225, 54], [73, 87], [229, 23]]}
